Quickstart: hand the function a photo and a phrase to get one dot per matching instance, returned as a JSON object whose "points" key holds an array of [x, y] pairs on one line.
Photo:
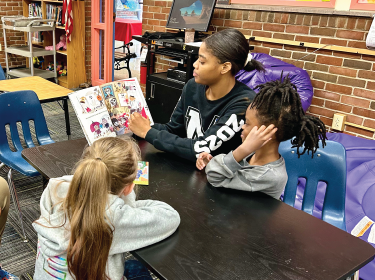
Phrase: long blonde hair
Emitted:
{"points": [[106, 167]]}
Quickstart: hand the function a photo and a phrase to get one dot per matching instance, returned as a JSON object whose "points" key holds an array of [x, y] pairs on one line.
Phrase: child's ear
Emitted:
{"points": [[128, 189]]}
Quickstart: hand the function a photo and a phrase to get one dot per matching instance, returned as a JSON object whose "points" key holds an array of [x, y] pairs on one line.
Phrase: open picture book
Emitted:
{"points": [[105, 110]]}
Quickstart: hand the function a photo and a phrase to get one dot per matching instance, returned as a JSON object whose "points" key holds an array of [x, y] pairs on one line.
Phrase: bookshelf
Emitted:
{"points": [[74, 57]]}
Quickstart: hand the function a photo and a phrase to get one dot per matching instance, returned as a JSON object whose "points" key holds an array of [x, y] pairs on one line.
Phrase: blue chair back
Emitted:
{"points": [[2, 75], [21, 106], [329, 166]]}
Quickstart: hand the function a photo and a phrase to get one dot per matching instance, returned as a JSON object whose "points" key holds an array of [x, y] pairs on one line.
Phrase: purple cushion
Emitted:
{"points": [[274, 67]]}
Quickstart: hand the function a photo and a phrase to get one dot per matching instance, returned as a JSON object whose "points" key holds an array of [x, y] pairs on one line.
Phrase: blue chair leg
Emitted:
{"points": [[13, 193]]}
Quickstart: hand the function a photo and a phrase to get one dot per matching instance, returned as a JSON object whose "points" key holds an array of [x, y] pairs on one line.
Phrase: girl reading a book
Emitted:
{"points": [[90, 219], [275, 115], [211, 110]]}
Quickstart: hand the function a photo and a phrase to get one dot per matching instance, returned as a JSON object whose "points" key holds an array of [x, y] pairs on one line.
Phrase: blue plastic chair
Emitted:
{"points": [[20, 107], [329, 166], [2, 75]]}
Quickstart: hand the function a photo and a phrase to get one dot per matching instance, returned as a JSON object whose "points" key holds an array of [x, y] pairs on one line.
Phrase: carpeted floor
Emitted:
{"points": [[16, 256]]}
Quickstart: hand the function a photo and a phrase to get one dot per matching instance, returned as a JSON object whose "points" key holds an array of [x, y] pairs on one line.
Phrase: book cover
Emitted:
{"points": [[104, 111], [142, 173]]}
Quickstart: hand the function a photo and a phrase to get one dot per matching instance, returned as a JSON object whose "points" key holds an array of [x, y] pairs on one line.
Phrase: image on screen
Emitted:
{"points": [[194, 14]]}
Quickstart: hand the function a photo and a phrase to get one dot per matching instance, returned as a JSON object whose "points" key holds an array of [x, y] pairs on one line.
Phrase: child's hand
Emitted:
{"points": [[254, 140], [203, 159]]}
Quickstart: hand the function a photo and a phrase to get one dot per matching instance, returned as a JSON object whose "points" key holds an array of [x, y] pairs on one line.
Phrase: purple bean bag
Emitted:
{"points": [[274, 67], [360, 188]]}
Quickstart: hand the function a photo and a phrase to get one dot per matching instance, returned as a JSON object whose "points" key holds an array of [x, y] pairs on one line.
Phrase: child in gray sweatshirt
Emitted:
{"points": [[93, 218], [275, 115]]}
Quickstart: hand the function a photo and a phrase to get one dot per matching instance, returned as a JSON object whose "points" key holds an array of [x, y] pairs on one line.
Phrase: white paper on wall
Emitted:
{"points": [[370, 41]]}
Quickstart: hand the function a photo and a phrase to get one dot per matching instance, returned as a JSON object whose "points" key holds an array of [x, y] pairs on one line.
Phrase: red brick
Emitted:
{"points": [[370, 75], [326, 95], [154, 9], [359, 131], [161, 3], [217, 22], [315, 66], [321, 111], [160, 16], [318, 84], [154, 22], [284, 18], [308, 39], [370, 85], [364, 112], [351, 23], [335, 42], [294, 48], [354, 119], [369, 123], [361, 24], [358, 102], [347, 55], [364, 93], [273, 27], [283, 36], [294, 62], [262, 34], [297, 29], [259, 49], [353, 35], [338, 106], [357, 44], [322, 31], [368, 57], [147, 15], [272, 45], [343, 71], [317, 101], [326, 121], [338, 88], [329, 60], [351, 82], [252, 25], [233, 23]]}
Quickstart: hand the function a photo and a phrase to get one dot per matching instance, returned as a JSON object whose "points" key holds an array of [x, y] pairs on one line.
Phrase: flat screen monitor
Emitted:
{"points": [[185, 14]]}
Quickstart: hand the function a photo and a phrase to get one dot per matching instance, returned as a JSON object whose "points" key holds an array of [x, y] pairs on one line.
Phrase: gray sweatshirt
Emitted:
{"points": [[224, 171], [137, 224]]}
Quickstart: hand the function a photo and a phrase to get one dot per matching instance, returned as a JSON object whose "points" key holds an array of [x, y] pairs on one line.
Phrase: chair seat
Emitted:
{"points": [[19, 163]]}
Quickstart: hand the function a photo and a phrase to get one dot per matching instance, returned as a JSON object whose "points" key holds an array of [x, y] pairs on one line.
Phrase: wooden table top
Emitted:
{"points": [[46, 90], [225, 234]]}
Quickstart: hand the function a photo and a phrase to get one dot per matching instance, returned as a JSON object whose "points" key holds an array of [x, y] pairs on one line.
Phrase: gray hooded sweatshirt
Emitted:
{"points": [[224, 171], [137, 224]]}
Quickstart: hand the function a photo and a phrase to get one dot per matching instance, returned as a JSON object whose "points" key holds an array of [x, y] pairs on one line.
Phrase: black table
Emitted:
{"points": [[225, 234]]}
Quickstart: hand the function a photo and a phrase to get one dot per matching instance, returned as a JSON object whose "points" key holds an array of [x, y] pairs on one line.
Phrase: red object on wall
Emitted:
{"points": [[126, 28], [143, 73]]}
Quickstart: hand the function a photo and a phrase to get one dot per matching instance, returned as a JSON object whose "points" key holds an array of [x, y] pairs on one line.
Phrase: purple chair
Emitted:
{"points": [[274, 67]]}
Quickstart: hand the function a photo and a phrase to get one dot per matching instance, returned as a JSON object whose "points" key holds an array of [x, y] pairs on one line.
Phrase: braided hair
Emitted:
{"points": [[279, 103]]}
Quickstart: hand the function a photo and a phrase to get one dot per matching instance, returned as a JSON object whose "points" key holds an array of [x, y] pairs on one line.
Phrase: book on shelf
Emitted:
{"points": [[104, 111], [37, 37], [35, 10], [54, 12]]}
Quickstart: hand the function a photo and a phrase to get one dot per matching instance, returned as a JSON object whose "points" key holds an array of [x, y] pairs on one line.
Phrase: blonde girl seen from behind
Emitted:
{"points": [[89, 220]]}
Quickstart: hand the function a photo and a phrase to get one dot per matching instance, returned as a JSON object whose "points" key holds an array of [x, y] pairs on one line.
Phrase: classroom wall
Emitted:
{"points": [[343, 82], [11, 8]]}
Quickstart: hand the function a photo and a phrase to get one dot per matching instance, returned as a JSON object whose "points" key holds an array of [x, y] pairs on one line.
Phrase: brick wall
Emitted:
{"points": [[11, 8], [343, 82]]}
